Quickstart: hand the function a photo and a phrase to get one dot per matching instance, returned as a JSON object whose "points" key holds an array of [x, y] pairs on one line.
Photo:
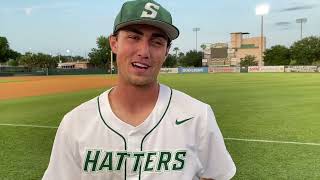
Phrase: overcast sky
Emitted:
{"points": [[53, 26]]}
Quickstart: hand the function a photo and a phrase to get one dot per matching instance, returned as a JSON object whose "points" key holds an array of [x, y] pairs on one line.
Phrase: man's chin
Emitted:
{"points": [[143, 82]]}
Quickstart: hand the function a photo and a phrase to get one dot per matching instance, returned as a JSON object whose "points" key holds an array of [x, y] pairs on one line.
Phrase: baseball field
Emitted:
{"points": [[270, 121]]}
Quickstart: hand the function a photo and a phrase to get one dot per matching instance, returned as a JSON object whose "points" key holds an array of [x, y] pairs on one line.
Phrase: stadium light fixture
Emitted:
{"points": [[69, 51], [262, 9], [301, 21]]}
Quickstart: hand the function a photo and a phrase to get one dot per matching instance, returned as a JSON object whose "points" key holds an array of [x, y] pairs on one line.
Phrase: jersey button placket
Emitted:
{"points": [[133, 147]]}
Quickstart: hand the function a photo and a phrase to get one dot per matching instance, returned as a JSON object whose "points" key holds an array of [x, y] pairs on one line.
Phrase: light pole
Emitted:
{"points": [[301, 21], [262, 10], [196, 30], [68, 51]]}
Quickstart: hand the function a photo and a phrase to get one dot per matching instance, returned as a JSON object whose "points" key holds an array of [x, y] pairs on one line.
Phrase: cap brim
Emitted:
{"points": [[171, 31]]}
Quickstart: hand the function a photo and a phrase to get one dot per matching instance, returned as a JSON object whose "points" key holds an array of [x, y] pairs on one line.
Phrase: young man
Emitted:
{"points": [[140, 129]]}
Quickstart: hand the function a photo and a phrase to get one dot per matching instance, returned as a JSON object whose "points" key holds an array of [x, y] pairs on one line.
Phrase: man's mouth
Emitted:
{"points": [[140, 65]]}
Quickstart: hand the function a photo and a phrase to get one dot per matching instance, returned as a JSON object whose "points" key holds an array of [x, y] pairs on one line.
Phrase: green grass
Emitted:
{"points": [[10, 80], [25, 152], [268, 106]]}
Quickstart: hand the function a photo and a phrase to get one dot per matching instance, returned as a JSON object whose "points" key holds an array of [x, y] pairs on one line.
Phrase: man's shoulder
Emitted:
{"points": [[83, 112], [182, 98], [81, 119], [85, 107], [184, 103]]}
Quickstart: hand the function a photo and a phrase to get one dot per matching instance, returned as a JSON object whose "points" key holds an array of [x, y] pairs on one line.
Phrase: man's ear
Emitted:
{"points": [[113, 41], [168, 49]]}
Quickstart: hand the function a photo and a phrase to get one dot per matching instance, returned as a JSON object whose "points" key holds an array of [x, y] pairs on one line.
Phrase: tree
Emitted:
{"points": [[5, 52], [100, 56], [4, 48], [180, 56], [176, 49], [203, 47], [103, 42], [277, 55], [79, 58], [171, 61], [306, 51], [39, 60], [192, 58], [248, 60], [28, 60], [45, 61], [13, 62]]}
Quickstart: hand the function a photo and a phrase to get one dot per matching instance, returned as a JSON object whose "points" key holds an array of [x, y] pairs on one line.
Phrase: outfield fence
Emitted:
{"points": [[250, 69], [25, 71]]}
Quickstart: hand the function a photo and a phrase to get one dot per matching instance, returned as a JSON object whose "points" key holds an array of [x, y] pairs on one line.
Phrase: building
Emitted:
{"points": [[241, 47], [75, 65], [216, 55], [222, 54]]}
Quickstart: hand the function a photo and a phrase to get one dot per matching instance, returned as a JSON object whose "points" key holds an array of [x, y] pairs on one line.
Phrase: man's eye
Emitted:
{"points": [[133, 37], [158, 42]]}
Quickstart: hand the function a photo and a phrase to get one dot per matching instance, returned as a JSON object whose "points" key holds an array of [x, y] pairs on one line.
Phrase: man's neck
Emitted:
{"points": [[133, 104], [136, 95]]}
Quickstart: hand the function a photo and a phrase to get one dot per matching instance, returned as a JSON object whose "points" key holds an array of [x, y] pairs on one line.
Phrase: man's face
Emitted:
{"points": [[141, 51]]}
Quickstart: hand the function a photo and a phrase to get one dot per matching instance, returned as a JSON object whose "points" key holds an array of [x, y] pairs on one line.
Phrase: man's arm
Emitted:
{"points": [[214, 157], [63, 164]]}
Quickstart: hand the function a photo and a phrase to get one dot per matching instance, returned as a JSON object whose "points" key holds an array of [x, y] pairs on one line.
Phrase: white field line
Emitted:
{"points": [[27, 125], [228, 139], [272, 141]]}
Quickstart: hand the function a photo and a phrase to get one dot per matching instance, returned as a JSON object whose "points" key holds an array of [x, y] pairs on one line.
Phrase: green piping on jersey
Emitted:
{"points": [[125, 143], [141, 147]]}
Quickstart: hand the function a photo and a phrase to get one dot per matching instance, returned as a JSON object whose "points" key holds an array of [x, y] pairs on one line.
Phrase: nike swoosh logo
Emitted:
{"points": [[183, 121]]}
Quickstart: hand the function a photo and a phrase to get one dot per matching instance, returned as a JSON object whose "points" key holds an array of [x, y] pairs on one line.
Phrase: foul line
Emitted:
{"points": [[231, 139], [32, 126], [271, 141]]}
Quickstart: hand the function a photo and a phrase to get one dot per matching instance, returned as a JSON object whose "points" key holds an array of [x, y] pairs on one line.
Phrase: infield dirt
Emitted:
{"points": [[17, 87]]}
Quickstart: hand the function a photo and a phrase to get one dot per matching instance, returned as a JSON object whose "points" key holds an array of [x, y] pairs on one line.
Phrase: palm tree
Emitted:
{"points": [[176, 49], [203, 47]]}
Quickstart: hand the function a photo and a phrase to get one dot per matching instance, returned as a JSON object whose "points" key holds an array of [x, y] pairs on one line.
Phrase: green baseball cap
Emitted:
{"points": [[146, 12]]}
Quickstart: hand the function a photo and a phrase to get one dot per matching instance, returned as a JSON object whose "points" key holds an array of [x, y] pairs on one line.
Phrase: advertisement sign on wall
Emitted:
{"points": [[193, 70], [224, 69], [169, 70], [301, 69], [266, 69]]}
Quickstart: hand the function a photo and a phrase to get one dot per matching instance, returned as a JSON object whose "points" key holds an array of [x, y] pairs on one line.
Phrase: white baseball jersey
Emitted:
{"points": [[180, 139]]}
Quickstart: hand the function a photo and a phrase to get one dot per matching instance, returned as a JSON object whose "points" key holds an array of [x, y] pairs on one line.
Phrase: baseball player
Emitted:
{"points": [[140, 129]]}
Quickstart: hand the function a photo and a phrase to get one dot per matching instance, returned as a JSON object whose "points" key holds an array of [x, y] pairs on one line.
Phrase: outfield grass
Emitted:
{"points": [[270, 106], [25, 152]]}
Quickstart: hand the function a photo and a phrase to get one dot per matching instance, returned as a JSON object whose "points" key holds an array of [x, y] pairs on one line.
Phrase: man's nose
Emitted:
{"points": [[144, 49]]}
